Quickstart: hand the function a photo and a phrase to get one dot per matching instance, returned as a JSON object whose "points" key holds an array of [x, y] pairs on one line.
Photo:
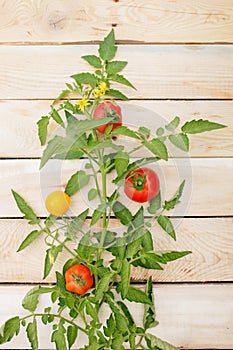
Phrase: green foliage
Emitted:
{"points": [[86, 239]]}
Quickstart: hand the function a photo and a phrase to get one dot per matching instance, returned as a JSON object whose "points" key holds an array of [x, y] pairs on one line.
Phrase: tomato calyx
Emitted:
{"points": [[111, 113], [138, 181], [79, 280]]}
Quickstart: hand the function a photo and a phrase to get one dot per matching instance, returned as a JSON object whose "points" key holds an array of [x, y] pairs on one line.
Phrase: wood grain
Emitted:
{"points": [[157, 71], [143, 21], [207, 191], [190, 316], [18, 133], [210, 240]]}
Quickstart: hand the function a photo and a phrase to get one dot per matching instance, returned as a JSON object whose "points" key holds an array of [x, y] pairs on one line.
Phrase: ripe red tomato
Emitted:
{"points": [[141, 185], [108, 109], [78, 279]]}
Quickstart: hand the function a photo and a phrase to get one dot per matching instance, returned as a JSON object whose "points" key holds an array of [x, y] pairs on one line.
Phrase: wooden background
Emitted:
{"points": [[180, 56]]}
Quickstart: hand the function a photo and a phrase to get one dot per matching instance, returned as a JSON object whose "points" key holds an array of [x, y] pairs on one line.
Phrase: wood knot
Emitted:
{"points": [[56, 21]]}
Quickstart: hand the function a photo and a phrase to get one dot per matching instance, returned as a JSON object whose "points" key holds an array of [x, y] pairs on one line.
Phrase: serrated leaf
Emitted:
{"points": [[56, 145], [58, 338], [133, 247], [122, 213], [97, 214], [120, 319], [60, 281], [32, 334], [10, 328], [116, 94], [124, 130], [115, 66], [125, 278], [75, 225], [42, 129], [29, 239], [173, 124], [107, 48], [198, 126], [157, 148], [166, 256], [181, 141], [138, 296], [121, 80], [154, 204], [50, 258], [76, 182], [25, 209], [72, 333], [55, 115], [149, 319], [148, 260], [121, 162], [147, 241], [30, 301], [128, 315], [92, 194], [166, 224], [62, 95], [85, 78], [91, 311], [171, 203], [156, 343], [103, 286], [93, 60]]}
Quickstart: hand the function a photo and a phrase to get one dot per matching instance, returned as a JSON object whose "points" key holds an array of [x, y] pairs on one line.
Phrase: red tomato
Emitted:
{"points": [[78, 279], [108, 109], [141, 185]]}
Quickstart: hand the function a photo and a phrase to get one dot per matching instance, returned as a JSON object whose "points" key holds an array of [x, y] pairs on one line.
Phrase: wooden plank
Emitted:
{"points": [[190, 316], [207, 191], [144, 21], [158, 71], [210, 240], [18, 133]]}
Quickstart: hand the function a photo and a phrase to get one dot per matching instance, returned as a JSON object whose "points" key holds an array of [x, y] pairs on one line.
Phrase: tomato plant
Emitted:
{"points": [[111, 110], [89, 240], [141, 185], [78, 279]]}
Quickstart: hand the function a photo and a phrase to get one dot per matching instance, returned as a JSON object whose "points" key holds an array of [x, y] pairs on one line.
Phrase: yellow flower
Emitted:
{"points": [[98, 93], [103, 87], [82, 103]]}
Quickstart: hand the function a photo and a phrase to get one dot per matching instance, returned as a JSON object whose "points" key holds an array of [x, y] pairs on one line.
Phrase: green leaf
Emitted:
{"points": [[25, 209], [107, 48], [119, 248], [120, 79], [144, 132], [121, 162], [147, 241], [31, 299], [133, 247], [166, 256], [173, 124], [115, 66], [58, 338], [42, 129], [56, 145], [71, 154], [29, 239], [55, 115], [108, 330], [128, 315], [92, 194], [170, 204], [85, 78], [120, 318], [75, 225], [122, 213], [117, 342], [198, 126], [148, 260], [138, 296], [10, 328], [157, 148], [60, 281], [103, 286], [125, 278], [116, 94], [93, 60], [124, 130], [156, 343], [77, 128], [62, 95], [32, 334], [155, 204], [76, 182], [98, 213], [160, 131], [72, 333], [50, 258], [91, 311], [181, 141], [166, 224], [149, 319]]}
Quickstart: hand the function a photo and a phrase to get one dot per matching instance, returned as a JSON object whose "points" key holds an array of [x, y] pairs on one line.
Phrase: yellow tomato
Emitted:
{"points": [[57, 203]]}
